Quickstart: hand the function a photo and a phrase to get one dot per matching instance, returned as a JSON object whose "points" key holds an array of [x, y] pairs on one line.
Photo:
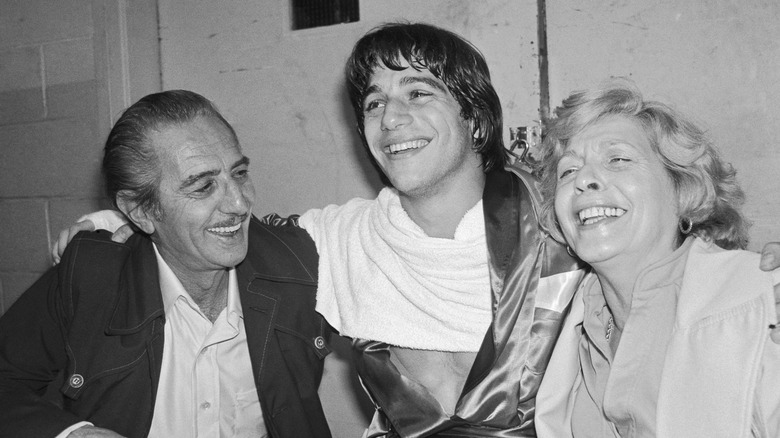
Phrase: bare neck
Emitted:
{"points": [[208, 289], [618, 293], [618, 278], [618, 274], [439, 213]]}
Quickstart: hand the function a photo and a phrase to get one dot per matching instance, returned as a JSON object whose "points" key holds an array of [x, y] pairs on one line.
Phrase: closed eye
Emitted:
{"points": [[565, 173], [419, 93], [205, 188], [567, 166], [619, 159]]}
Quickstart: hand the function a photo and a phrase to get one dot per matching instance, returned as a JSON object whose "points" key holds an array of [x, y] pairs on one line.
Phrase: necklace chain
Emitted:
{"points": [[610, 325]]}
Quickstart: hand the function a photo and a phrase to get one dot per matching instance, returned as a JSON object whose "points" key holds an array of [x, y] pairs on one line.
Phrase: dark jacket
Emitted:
{"points": [[97, 320]]}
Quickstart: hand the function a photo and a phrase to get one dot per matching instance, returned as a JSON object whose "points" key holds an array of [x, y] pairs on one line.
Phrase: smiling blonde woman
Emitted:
{"points": [[667, 336]]}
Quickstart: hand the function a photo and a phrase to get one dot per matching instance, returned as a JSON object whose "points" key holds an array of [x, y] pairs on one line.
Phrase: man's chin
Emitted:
{"points": [[229, 263], [231, 255]]}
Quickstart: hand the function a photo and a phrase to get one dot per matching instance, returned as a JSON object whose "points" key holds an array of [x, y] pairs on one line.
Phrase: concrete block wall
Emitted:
{"points": [[67, 69], [50, 147]]}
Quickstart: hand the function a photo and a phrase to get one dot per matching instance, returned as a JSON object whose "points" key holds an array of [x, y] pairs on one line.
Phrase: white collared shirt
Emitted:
{"points": [[206, 387]]}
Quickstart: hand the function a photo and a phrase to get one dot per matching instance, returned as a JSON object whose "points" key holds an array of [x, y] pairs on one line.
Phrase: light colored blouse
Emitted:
{"points": [[709, 371], [618, 391]]}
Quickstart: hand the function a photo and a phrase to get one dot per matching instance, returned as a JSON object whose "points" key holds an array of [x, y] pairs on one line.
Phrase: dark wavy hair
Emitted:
{"points": [[706, 188], [130, 162], [448, 57]]}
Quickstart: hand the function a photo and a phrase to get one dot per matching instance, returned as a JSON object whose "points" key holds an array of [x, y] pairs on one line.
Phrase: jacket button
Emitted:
{"points": [[76, 381], [319, 342]]}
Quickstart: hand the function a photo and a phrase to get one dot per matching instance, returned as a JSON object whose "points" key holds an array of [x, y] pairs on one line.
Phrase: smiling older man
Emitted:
{"points": [[172, 333]]}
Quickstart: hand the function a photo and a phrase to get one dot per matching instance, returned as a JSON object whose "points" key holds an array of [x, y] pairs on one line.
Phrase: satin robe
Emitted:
{"points": [[532, 281]]}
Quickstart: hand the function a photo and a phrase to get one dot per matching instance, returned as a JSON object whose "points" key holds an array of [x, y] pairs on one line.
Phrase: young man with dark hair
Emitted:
{"points": [[453, 295]]}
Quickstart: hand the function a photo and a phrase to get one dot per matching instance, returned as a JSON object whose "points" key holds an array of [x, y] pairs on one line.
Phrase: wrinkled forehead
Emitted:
{"points": [[201, 129], [195, 124], [197, 142], [611, 131]]}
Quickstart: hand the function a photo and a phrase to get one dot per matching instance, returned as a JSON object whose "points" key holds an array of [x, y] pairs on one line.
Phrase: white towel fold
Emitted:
{"points": [[382, 278]]}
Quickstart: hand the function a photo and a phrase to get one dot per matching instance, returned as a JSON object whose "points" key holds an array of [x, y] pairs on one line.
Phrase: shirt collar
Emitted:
{"points": [[667, 271], [172, 288]]}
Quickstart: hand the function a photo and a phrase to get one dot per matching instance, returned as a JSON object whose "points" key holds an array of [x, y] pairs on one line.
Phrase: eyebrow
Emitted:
{"points": [[568, 153], [241, 162], [193, 179], [369, 91], [431, 82], [409, 80]]}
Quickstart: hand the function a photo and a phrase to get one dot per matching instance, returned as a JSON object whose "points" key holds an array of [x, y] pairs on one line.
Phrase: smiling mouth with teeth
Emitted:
{"points": [[592, 215], [226, 230], [405, 146]]}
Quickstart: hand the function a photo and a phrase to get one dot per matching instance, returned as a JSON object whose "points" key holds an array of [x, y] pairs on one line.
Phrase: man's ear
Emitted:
{"points": [[476, 131], [137, 215]]}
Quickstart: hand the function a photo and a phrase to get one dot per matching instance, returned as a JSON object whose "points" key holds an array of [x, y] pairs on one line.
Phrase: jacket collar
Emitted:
{"points": [[139, 301], [278, 253], [284, 253], [501, 205]]}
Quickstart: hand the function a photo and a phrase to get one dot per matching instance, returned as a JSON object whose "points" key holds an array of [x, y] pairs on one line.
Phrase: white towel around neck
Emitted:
{"points": [[382, 278]]}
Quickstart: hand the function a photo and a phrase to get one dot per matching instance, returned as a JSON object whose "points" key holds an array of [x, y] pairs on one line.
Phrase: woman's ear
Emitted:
{"points": [[142, 219]]}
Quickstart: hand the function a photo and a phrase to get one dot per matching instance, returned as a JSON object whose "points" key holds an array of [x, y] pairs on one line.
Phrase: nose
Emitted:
{"points": [[395, 115], [588, 179], [239, 196]]}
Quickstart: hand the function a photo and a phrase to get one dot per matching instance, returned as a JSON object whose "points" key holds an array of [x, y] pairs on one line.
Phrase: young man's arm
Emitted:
{"points": [[110, 220]]}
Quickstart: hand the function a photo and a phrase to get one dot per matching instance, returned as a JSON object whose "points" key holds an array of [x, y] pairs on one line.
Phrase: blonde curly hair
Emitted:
{"points": [[706, 187]]}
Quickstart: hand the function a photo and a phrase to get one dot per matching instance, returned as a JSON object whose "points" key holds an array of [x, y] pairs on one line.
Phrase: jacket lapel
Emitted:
{"points": [[139, 300], [502, 211], [501, 208], [259, 316]]}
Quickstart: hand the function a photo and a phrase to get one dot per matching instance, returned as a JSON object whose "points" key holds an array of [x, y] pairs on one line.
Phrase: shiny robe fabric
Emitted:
{"points": [[532, 281]]}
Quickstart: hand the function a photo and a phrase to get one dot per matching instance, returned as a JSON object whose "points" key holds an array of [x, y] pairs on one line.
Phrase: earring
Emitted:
{"points": [[571, 253], [685, 225]]}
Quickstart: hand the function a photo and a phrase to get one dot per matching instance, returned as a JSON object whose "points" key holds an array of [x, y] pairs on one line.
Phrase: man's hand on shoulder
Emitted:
{"points": [[94, 432], [770, 260]]}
